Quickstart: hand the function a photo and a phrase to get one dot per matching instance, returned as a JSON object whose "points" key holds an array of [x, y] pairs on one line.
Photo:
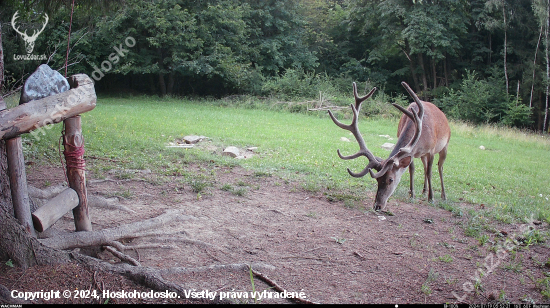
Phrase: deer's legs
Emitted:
{"points": [[430, 159], [425, 163], [442, 156], [411, 172]]}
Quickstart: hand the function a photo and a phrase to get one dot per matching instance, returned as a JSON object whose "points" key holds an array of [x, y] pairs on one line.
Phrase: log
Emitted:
{"points": [[76, 175], [49, 213], [15, 147], [18, 184], [50, 110]]}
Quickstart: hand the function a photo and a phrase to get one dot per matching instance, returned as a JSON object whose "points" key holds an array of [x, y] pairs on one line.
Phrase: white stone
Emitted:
{"points": [[231, 151], [481, 147], [388, 146], [192, 139], [344, 139]]}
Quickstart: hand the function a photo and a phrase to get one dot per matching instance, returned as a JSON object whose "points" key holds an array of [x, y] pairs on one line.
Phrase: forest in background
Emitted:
{"points": [[480, 61]]}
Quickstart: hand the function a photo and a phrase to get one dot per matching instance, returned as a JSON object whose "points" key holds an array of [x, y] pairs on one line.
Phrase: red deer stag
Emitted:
{"points": [[423, 131]]}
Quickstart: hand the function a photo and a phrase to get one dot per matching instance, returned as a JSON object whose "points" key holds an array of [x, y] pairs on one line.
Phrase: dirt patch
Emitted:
{"points": [[297, 238]]}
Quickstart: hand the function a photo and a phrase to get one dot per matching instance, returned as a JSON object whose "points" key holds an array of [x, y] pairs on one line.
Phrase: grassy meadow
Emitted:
{"points": [[509, 177]]}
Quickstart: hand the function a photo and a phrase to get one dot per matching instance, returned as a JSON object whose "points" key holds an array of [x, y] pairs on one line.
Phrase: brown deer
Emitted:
{"points": [[423, 131]]}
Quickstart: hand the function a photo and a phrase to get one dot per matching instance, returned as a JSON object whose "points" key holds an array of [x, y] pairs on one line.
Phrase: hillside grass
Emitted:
{"points": [[509, 179]]}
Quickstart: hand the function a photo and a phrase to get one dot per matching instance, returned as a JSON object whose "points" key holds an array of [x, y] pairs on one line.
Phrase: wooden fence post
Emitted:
{"points": [[18, 184], [18, 181], [76, 175]]}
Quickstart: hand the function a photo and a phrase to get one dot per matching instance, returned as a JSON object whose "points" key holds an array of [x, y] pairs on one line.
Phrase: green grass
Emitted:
{"points": [[508, 177]]}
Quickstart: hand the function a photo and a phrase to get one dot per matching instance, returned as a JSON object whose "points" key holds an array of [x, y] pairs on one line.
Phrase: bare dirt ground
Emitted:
{"points": [[297, 238]]}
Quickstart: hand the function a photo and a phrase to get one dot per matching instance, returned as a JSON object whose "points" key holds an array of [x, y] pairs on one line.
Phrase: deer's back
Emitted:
{"points": [[435, 129]]}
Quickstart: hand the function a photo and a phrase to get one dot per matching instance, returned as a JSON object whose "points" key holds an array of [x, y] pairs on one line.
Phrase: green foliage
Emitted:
{"points": [[518, 115], [296, 83], [484, 101], [448, 51]]}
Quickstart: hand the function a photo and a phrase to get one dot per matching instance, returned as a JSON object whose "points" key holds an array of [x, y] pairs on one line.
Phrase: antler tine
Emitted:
{"points": [[405, 111], [374, 162], [368, 169], [416, 99], [417, 119], [359, 100], [363, 151]]}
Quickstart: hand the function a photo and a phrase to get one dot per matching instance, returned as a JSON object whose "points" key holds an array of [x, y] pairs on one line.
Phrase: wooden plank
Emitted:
{"points": [[76, 174], [46, 215], [37, 114]]}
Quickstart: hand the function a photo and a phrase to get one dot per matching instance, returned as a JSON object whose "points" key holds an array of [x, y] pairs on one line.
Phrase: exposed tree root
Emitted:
{"points": [[105, 236], [215, 268], [46, 193], [276, 287], [152, 278], [110, 203], [121, 247], [122, 256], [6, 298]]}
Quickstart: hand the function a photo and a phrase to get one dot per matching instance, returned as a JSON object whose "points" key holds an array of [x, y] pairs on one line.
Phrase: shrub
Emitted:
{"points": [[484, 101]]}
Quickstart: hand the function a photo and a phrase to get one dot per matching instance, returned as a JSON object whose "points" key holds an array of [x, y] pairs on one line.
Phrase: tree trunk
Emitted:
{"points": [[162, 84], [15, 243], [534, 68], [412, 67], [505, 47], [1, 67], [423, 67], [489, 59], [434, 73], [413, 74], [445, 71], [547, 65], [170, 85]]}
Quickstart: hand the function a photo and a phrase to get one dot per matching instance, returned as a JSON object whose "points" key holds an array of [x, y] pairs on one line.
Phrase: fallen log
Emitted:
{"points": [[50, 110], [49, 213]]}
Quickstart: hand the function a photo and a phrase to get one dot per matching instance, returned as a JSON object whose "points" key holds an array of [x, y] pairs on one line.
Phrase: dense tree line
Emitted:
{"points": [[483, 61]]}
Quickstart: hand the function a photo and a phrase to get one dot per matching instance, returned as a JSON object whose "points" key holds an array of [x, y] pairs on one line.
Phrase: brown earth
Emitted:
{"points": [[331, 252]]}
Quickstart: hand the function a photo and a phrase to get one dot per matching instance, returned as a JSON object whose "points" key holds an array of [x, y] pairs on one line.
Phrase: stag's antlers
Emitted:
{"points": [[376, 162]]}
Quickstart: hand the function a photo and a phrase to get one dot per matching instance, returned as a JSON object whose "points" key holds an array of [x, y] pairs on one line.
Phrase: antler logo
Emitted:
{"points": [[29, 40]]}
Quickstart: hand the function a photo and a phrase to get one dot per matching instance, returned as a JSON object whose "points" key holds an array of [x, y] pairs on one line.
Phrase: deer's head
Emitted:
{"points": [[29, 40]]}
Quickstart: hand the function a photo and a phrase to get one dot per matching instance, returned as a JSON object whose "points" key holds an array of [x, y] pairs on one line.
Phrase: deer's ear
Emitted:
{"points": [[405, 162]]}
